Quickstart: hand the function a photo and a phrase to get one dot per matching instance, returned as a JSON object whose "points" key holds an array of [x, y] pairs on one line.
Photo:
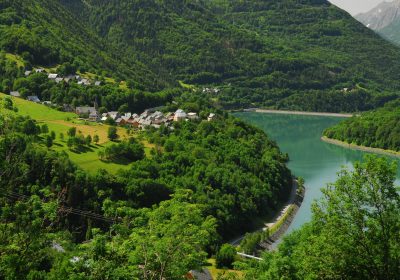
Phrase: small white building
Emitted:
{"points": [[180, 115], [211, 117], [192, 116], [52, 76], [15, 94]]}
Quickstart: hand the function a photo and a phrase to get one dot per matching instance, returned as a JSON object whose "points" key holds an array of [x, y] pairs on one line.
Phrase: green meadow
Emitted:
{"points": [[60, 122]]}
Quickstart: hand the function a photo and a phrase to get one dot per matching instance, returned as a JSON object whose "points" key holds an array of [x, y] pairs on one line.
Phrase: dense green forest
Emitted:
{"points": [[306, 55], [222, 174], [377, 129]]}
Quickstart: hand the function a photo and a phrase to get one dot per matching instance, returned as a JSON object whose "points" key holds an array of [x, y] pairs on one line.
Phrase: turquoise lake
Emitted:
{"points": [[314, 160]]}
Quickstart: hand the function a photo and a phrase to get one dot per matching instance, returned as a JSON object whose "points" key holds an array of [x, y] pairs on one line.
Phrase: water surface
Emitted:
{"points": [[314, 160]]}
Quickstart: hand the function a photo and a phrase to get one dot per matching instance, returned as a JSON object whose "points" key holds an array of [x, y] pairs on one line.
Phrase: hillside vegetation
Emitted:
{"points": [[286, 54], [376, 129], [306, 55]]}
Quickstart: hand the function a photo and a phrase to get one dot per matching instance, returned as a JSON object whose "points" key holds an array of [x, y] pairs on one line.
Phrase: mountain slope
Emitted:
{"points": [[384, 19], [381, 16], [286, 54], [303, 55], [44, 33]]}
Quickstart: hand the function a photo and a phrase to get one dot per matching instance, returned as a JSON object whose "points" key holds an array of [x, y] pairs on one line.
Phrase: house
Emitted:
{"points": [[113, 115], [192, 116], [27, 73], [133, 123], [40, 70], [84, 82], [33, 98], [145, 123], [52, 76], [85, 110], [211, 117], [94, 116], [180, 115], [121, 121], [59, 80], [15, 94], [97, 83], [48, 103]]}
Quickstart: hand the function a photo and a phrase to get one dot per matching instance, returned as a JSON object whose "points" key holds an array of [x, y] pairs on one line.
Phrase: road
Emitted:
{"points": [[278, 216]]}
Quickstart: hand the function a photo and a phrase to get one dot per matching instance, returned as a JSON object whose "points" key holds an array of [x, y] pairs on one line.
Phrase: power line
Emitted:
{"points": [[68, 210]]}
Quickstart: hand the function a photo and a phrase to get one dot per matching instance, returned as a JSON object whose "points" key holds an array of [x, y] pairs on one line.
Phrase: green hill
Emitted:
{"points": [[303, 55], [44, 33], [285, 54], [60, 122], [376, 129]]}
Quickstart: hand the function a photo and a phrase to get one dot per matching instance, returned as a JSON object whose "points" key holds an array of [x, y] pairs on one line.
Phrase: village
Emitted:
{"points": [[151, 117]]}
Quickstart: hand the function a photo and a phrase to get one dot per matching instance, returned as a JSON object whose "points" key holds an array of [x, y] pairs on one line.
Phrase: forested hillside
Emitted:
{"points": [[202, 183], [45, 34], [305, 55], [376, 129]]}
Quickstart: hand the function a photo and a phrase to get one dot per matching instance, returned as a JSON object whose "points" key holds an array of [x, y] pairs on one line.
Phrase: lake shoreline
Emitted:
{"points": [[302, 113], [360, 148], [282, 220]]}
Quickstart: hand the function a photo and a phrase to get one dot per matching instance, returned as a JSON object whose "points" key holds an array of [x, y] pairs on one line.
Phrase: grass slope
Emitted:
{"points": [[60, 122]]}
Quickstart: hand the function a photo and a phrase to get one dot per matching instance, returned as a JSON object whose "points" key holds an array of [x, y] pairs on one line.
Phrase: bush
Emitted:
{"points": [[226, 256], [112, 133], [129, 150]]}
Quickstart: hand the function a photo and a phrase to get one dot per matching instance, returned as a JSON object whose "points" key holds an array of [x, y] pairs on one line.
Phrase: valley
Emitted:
{"points": [[128, 149]]}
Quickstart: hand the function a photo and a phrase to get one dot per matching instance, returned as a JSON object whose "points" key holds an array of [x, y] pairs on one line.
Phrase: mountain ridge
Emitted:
{"points": [[298, 55]]}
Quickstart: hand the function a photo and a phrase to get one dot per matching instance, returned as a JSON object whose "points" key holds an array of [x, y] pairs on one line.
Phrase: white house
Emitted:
{"points": [[53, 76], [15, 94], [180, 115], [192, 116]]}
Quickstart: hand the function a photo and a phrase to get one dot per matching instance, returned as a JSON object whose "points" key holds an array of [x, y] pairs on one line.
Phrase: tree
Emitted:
{"points": [[88, 140], [173, 241], [62, 136], [96, 139], [112, 133], [44, 129], [71, 132], [354, 232], [49, 141], [226, 256], [53, 135]]}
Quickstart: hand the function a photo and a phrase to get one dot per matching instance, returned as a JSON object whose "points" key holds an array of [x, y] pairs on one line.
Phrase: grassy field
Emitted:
{"points": [[17, 59], [60, 122], [108, 80], [215, 272]]}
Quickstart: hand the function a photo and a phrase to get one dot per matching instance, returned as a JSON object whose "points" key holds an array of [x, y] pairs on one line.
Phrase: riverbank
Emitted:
{"points": [[360, 148], [302, 113], [282, 220], [278, 230]]}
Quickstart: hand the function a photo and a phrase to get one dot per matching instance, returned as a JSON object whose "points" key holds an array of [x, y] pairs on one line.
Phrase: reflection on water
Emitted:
{"points": [[316, 161]]}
